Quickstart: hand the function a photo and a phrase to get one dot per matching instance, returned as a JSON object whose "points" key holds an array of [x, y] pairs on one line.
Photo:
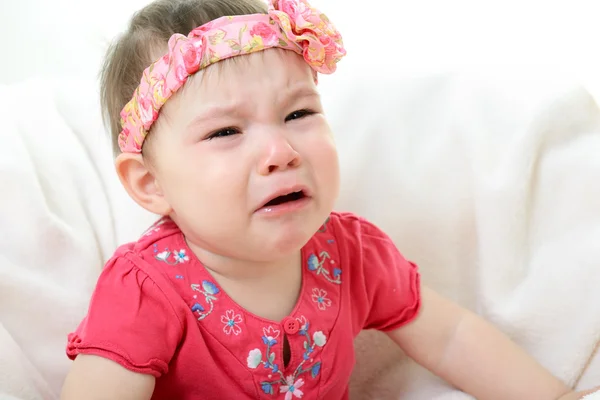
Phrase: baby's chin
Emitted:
{"points": [[258, 247]]}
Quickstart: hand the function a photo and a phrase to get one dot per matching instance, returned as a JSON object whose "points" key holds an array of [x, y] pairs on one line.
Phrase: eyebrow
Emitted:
{"points": [[296, 92], [288, 96]]}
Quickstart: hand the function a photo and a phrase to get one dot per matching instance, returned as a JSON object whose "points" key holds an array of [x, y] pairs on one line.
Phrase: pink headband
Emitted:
{"points": [[290, 24]]}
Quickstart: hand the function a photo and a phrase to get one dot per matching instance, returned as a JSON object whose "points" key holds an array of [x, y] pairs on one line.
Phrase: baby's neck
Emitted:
{"points": [[255, 286], [245, 270]]}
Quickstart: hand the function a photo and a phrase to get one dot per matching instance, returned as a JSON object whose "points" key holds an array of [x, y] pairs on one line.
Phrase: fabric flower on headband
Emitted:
{"points": [[290, 24]]}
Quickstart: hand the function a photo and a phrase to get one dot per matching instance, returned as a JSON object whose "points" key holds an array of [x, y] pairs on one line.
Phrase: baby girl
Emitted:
{"points": [[250, 286]]}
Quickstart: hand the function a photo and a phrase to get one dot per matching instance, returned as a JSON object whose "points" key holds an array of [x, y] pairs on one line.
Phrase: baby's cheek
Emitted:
{"points": [[326, 152], [326, 164]]}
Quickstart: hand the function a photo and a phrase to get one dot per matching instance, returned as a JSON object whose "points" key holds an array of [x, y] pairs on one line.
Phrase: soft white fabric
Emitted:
{"points": [[592, 396], [490, 183], [62, 215]]}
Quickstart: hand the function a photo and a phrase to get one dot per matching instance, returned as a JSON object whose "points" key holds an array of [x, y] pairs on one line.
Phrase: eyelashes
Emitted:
{"points": [[299, 114], [231, 131], [223, 133]]}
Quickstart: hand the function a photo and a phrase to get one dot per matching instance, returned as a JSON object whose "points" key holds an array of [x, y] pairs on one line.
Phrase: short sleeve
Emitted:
{"points": [[129, 321], [390, 285]]}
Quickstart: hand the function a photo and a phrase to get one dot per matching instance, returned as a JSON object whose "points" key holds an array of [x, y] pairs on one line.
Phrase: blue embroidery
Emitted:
{"points": [[209, 290], [315, 369], [267, 387], [336, 273], [316, 265], [292, 382], [197, 307]]}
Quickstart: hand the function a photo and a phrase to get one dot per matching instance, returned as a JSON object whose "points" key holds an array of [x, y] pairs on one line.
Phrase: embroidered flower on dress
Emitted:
{"points": [[315, 369], [270, 336], [336, 273], [319, 296], [231, 321], [254, 358], [313, 262], [292, 388], [319, 338], [267, 387], [303, 325], [316, 265], [209, 290], [178, 256], [289, 385], [163, 256]]}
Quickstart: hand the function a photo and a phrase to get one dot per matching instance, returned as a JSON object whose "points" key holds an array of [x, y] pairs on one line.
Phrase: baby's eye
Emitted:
{"points": [[223, 133], [298, 114]]}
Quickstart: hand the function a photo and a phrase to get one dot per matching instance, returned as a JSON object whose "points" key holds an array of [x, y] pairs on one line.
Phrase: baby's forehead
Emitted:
{"points": [[259, 83], [272, 70]]}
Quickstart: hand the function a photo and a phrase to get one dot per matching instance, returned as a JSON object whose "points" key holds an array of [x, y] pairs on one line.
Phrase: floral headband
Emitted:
{"points": [[290, 24]]}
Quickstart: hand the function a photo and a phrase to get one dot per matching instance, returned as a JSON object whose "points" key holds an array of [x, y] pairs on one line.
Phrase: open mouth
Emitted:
{"points": [[290, 197]]}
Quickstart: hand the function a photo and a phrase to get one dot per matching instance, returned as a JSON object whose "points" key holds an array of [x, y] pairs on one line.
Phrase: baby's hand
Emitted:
{"points": [[592, 394]]}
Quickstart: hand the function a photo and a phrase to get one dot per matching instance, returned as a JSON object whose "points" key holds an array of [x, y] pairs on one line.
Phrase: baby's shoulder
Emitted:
{"points": [[144, 259], [131, 292], [160, 241], [346, 239], [359, 241], [136, 269]]}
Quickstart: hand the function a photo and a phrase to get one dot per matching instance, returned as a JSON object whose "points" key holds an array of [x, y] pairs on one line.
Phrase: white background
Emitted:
{"points": [[68, 37]]}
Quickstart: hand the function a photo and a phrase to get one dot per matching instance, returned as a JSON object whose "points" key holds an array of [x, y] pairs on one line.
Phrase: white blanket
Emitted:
{"points": [[492, 185], [492, 188], [62, 214]]}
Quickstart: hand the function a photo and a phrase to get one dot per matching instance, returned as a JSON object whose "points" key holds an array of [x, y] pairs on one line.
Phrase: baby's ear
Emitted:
{"points": [[140, 183]]}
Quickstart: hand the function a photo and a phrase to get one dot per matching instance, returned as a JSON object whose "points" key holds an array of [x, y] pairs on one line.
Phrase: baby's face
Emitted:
{"points": [[235, 138]]}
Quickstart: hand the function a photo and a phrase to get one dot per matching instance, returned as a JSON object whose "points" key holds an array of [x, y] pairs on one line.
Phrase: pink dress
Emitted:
{"points": [[156, 310]]}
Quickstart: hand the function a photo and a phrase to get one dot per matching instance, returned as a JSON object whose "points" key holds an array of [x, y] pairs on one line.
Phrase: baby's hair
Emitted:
{"points": [[146, 40]]}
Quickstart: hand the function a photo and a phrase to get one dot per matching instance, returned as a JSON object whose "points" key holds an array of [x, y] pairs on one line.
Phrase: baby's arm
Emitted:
{"points": [[472, 355], [98, 378], [132, 330]]}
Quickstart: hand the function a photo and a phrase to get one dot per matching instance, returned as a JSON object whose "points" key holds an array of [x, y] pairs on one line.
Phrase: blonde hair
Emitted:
{"points": [[146, 40]]}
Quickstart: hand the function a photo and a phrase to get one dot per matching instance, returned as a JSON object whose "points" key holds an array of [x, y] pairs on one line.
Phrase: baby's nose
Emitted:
{"points": [[278, 155]]}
